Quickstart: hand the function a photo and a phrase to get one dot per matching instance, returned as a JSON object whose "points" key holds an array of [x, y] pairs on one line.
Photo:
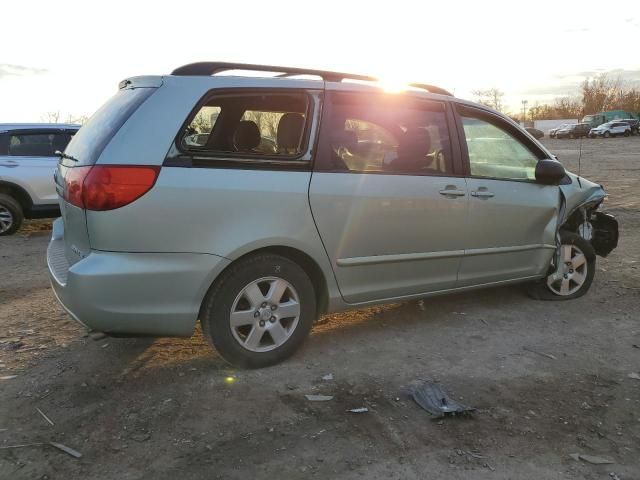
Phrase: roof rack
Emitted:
{"points": [[212, 68]]}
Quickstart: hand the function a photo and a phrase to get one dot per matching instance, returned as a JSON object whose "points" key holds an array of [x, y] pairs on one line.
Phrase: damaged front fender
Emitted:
{"points": [[579, 193], [580, 200]]}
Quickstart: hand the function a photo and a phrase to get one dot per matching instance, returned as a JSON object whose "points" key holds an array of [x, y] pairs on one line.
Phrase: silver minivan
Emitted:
{"points": [[256, 204]]}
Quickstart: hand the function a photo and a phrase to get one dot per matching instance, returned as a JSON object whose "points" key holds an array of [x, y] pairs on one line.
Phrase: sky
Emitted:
{"points": [[68, 56]]}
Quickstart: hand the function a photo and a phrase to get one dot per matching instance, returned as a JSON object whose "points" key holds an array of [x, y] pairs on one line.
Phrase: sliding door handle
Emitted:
{"points": [[481, 194], [452, 191]]}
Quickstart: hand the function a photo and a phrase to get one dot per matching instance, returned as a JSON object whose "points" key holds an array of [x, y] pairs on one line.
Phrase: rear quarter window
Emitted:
{"points": [[252, 125], [93, 137]]}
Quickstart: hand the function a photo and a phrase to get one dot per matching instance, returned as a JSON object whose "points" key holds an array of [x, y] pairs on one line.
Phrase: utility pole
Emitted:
{"points": [[524, 111]]}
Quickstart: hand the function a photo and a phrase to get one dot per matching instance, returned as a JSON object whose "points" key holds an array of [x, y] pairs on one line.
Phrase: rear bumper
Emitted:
{"points": [[155, 294], [43, 211]]}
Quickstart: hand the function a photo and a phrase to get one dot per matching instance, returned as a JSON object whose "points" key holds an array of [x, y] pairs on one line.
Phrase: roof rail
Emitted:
{"points": [[212, 68]]}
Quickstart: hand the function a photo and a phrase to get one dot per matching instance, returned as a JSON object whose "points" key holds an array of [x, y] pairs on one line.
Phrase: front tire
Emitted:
{"points": [[606, 135], [11, 215], [259, 311], [574, 276]]}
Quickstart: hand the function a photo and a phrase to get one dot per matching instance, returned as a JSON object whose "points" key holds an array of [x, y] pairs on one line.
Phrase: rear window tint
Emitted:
{"points": [[93, 137], [41, 144], [249, 125]]}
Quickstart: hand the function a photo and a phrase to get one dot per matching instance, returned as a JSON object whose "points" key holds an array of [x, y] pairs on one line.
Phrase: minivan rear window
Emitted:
{"points": [[93, 137]]}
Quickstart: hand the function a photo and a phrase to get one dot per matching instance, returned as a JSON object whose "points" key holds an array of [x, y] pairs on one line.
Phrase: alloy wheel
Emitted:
{"points": [[265, 314], [6, 219], [571, 273]]}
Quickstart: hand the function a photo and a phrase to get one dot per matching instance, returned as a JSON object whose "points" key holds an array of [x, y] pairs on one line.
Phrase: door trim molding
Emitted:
{"points": [[400, 257], [409, 257], [517, 248]]}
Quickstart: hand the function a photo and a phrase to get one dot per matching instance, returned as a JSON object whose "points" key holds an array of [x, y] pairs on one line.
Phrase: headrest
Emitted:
{"points": [[247, 136], [290, 129], [416, 143]]}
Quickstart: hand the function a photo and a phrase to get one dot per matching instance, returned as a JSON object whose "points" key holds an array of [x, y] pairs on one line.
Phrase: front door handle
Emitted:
{"points": [[9, 163], [481, 193], [452, 191]]}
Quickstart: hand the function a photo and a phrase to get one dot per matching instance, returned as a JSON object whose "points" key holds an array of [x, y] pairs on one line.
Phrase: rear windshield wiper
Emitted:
{"points": [[65, 155]]}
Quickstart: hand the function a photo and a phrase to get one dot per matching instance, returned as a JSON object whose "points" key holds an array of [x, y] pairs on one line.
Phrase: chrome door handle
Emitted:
{"points": [[452, 191], [481, 194]]}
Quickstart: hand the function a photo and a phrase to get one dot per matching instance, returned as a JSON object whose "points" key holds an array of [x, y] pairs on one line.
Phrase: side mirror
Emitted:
{"points": [[549, 172]]}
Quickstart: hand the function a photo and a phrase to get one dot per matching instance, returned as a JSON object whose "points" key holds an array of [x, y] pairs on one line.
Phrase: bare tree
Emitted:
{"points": [[567, 107], [599, 93], [51, 117], [78, 119], [55, 117], [491, 97]]}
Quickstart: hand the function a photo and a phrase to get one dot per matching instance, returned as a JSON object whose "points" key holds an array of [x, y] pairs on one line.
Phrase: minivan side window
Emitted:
{"points": [[496, 153], [250, 125], [376, 134], [41, 144]]}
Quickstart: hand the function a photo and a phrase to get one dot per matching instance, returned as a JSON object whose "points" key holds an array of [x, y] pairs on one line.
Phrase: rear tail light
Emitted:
{"points": [[73, 181], [106, 187]]}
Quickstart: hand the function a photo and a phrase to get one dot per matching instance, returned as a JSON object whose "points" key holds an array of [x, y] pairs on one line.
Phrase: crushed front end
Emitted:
{"points": [[581, 213]]}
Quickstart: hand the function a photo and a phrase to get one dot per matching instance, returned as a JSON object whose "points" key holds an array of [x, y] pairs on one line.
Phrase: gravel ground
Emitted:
{"points": [[144, 408]]}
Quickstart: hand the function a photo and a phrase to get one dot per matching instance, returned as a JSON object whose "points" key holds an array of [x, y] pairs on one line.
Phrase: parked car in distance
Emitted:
{"points": [[367, 197], [535, 133], [596, 119], [611, 129], [633, 123], [574, 130], [27, 165], [553, 131]]}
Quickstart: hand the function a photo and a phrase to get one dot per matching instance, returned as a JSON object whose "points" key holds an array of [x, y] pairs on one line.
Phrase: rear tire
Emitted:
{"points": [[259, 311], [574, 276], [626, 133], [11, 215]]}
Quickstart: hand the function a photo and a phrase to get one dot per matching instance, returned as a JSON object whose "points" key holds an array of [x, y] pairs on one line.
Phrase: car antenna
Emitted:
{"points": [[579, 161]]}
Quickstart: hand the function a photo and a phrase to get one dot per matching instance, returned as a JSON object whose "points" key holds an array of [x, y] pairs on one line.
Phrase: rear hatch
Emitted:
{"points": [[82, 153]]}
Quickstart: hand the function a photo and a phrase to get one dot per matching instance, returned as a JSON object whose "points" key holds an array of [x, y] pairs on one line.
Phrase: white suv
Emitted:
{"points": [[611, 129], [27, 164]]}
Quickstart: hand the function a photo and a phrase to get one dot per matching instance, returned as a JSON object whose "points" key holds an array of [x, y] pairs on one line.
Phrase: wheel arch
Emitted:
{"points": [[303, 259], [17, 192]]}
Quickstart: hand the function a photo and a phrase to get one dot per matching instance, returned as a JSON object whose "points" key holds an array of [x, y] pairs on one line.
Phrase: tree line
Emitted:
{"points": [[598, 94]]}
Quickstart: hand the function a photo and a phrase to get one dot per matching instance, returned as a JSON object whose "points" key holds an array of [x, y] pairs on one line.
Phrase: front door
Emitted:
{"points": [[510, 233], [389, 208]]}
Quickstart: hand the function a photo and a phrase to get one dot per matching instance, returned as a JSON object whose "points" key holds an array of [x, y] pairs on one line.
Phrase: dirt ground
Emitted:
{"points": [[169, 408]]}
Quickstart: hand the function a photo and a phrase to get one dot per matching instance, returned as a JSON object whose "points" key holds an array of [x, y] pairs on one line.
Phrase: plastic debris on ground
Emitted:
{"points": [[432, 398], [319, 398], [65, 449], [591, 459]]}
